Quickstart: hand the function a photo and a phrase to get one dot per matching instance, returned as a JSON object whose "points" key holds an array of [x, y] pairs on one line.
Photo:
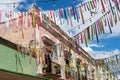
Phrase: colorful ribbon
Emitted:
{"points": [[82, 15], [96, 32], [103, 7], [85, 38], [109, 26]]}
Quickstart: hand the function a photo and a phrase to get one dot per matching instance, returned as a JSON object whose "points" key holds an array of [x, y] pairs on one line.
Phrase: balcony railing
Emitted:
{"points": [[54, 69]]}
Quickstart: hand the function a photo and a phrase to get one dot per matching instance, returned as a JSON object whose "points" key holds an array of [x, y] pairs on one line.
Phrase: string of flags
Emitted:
{"points": [[110, 18], [112, 64], [35, 18]]}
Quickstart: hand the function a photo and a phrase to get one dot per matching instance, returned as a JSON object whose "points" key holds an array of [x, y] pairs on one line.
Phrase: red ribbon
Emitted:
{"points": [[94, 3], [61, 12], [102, 5], [111, 20], [84, 7], [51, 14], [32, 14]]}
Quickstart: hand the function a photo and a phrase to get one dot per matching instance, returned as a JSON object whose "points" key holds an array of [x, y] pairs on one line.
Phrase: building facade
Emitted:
{"points": [[45, 51]]}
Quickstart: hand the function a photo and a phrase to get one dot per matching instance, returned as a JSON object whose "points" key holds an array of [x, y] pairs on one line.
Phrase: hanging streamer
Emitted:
{"points": [[82, 15], [38, 19], [88, 33], [73, 10], [115, 17], [54, 17], [77, 13], [59, 16], [70, 14], [103, 7], [32, 15], [94, 3], [87, 6], [109, 26], [104, 1], [104, 18], [111, 7], [96, 32], [47, 21], [91, 4], [116, 5], [66, 15], [51, 14], [102, 26], [84, 7], [98, 27], [85, 38], [34, 18], [111, 20]]}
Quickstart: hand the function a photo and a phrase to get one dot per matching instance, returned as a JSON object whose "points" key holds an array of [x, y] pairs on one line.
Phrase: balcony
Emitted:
{"points": [[53, 71]]}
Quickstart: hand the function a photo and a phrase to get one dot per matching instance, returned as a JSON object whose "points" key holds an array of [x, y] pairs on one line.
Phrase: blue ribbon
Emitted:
{"points": [[109, 26]]}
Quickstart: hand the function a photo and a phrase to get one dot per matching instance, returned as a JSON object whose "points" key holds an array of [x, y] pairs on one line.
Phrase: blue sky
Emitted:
{"points": [[108, 42]]}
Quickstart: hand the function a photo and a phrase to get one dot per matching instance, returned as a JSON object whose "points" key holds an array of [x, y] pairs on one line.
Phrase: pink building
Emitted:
{"points": [[58, 56]]}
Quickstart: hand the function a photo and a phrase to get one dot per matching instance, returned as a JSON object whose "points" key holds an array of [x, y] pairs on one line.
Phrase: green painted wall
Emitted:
{"points": [[13, 61]]}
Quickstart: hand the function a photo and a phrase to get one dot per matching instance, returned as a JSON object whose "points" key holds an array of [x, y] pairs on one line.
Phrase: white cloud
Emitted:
{"points": [[101, 54], [8, 7], [115, 30], [96, 45]]}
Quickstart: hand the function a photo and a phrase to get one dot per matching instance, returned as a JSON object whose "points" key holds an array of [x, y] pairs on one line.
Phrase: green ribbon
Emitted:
{"points": [[34, 19], [85, 37], [102, 26]]}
